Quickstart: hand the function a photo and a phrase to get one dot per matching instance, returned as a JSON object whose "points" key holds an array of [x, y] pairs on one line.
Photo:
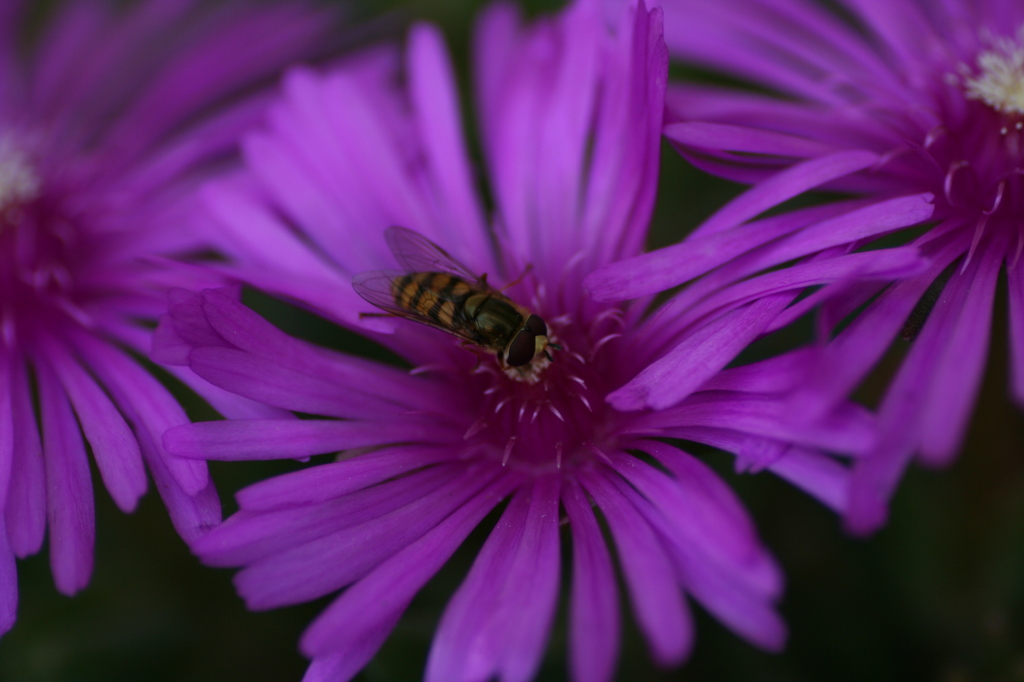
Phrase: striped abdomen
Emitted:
{"points": [[439, 296]]}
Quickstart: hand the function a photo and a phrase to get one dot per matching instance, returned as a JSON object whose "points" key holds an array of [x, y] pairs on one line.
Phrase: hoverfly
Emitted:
{"points": [[436, 290]]}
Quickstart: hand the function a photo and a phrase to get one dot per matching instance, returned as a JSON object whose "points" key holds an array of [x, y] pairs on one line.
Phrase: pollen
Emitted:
{"points": [[18, 180], [999, 79]]}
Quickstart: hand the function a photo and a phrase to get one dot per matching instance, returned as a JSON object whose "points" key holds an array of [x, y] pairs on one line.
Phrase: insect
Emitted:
{"points": [[436, 290]]}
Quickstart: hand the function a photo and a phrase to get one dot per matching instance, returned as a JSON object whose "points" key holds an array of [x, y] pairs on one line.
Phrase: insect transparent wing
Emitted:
{"points": [[376, 287], [416, 253]]}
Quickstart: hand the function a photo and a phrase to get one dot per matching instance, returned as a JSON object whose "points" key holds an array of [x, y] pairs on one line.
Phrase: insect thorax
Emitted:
{"points": [[495, 319]]}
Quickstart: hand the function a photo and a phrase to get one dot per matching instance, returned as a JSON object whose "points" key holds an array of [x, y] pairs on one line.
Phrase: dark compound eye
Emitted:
{"points": [[522, 348], [537, 326]]}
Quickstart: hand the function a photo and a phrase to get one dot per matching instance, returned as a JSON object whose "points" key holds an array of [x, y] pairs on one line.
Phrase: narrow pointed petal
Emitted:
{"points": [[818, 475], [839, 366], [958, 371], [291, 439], [741, 139], [8, 582], [1015, 279], [297, 574], [114, 447], [704, 513], [70, 514], [656, 271], [679, 373], [192, 513], [25, 508], [593, 599], [247, 537], [654, 592], [384, 594], [496, 623], [434, 96], [145, 402], [329, 481]]}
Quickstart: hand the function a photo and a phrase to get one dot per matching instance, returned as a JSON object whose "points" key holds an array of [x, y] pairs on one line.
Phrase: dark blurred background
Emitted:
{"points": [[936, 595]]}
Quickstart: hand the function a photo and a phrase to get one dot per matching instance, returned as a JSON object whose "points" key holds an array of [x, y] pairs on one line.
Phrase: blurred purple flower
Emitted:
{"points": [[570, 115], [109, 119], [917, 110]]}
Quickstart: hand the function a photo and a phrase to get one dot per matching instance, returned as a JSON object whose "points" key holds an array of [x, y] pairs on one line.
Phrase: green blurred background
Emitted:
{"points": [[936, 595]]}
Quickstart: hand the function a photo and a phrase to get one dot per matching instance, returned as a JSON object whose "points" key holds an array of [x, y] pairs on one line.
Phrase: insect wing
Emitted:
{"points": [[416, 253], [377, 287]]}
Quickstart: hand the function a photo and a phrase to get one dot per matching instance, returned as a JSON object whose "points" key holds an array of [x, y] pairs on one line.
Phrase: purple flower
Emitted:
{"points": [[914, 109], [109, 119], [570, 115]]}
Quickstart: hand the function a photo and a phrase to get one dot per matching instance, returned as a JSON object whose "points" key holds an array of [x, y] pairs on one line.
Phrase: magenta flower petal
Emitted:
{"points": [[8, 571], [288, 439], [152, 409], [957, 372], [356, 474], [486, 632], [594, 600], [818, 475], [25, 508], [738, 139], [701, 509], [111, 116], [657, 601], [655, 272], [8, 583], [932, 95], [250, 536], [293, 575], [70, 513], [7, 438], [114, 446], [1016, 311], [387, 591], [355, 653], [358, 166], [433, 94], [682, 370]]}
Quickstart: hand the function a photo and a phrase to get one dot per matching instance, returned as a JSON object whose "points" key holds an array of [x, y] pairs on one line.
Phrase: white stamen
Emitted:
{"points": [[614, 314], [508, 450], [555, 411], [18, 181], [978, 231], [478, 426], [600, 453], [483, 368], [586, 403], [1020, 249], [603, 340], [999, 82], [573, 377]]}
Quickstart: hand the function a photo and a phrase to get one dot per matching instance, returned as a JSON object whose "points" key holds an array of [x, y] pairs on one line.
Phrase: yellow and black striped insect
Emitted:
{"points": [[436, 290]]}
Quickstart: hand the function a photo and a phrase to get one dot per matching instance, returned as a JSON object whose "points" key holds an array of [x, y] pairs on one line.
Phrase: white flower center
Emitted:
{"points": [[999, 81], [18, 180]]}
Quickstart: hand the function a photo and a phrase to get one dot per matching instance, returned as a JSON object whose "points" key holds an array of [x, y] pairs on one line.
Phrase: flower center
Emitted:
{"points": [[40, 251], [19, 183], [558, 419], [999, 80]]}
